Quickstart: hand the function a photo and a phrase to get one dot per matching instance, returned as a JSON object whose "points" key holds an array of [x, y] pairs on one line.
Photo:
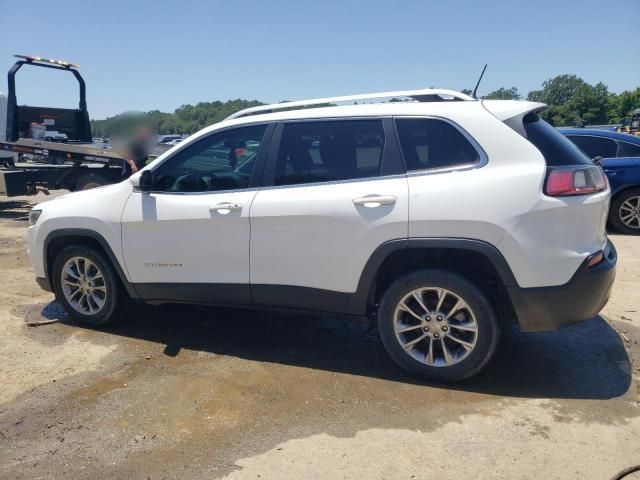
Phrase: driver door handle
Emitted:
{"points": [[226, 207], [373, 201]]}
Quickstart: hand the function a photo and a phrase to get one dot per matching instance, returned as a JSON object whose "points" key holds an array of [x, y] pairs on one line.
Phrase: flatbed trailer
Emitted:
{"points": [[77, 165], [72, 167]]}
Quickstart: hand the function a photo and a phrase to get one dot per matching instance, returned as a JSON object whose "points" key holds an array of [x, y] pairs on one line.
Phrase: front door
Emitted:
{"points": [[188, 239]]}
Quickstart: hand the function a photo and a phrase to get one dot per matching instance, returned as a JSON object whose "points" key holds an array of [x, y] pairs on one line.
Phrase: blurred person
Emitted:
{"points": [[137, 151]]}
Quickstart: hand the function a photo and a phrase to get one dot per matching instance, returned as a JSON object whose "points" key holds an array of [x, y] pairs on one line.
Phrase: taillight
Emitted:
{"points": [[578, 180]]}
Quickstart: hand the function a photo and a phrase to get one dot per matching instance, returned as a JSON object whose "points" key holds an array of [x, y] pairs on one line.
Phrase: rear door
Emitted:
{"points": [[338, 191]]}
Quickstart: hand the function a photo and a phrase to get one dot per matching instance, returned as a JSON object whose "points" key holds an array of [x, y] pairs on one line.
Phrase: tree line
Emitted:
{"points": [[571, 100]]}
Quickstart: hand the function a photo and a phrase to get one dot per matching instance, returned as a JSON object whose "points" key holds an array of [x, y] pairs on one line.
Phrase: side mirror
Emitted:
{"points": [[597, 160], [146, 181]]}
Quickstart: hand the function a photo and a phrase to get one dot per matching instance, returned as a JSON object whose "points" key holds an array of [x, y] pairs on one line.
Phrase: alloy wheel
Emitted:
{"points": [[629, 212], [435, 326], [83, 285]]}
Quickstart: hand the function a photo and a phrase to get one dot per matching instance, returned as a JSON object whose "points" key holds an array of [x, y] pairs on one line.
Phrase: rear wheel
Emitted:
{"points": [[87, 286], [436, 324], [625, 212]]}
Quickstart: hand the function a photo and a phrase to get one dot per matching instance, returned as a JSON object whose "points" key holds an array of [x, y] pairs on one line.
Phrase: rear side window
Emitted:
{"points": [[431, 143], [320, 151], [628, 150], [555, 148], [595, 146]]}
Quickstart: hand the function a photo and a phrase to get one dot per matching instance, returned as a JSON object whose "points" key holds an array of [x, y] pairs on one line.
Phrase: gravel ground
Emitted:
{"points": [[183, 392]]}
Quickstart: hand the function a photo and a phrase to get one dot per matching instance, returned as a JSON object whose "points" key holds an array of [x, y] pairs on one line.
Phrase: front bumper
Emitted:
{"points": [[581, 298]]}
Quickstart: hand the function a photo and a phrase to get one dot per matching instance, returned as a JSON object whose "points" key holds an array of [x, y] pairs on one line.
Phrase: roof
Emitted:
{"points": [[594, 132]]}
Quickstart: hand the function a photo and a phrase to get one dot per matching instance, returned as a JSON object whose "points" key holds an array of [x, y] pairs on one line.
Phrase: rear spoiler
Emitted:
{"points": [[505, 109]]}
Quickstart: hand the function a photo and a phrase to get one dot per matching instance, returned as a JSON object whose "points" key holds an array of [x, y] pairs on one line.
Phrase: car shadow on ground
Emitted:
{"points": [[584, 361]]}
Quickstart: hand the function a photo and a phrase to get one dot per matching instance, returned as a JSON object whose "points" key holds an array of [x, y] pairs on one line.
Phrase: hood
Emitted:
{"points": [[84, 196]]}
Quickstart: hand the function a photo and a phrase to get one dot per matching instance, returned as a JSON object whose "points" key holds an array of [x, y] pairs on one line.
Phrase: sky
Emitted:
{"points": [[148, 55]]}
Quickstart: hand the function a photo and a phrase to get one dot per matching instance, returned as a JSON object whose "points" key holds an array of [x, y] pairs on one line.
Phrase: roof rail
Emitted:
{"points": [[424, 95]]}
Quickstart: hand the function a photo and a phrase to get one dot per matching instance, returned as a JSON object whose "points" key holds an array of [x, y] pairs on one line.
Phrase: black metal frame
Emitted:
{"points": [[25, 180], [12, 102]]}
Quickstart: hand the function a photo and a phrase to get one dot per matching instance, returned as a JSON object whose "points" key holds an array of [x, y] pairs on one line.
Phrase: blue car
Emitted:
{"points": [[619, 155]]}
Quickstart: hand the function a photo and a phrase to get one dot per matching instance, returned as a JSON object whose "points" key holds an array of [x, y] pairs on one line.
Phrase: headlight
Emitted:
{"points": [[33, 216]]}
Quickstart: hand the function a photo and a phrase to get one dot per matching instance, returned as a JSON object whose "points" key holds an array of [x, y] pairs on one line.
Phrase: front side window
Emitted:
{"points": [[595, 146], [328, 151], [431, 143], [221, 161]]}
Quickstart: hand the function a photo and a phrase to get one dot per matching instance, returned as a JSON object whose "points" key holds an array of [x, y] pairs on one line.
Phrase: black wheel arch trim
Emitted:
{"points": [[360, 301], [622, 189], [92, 235]]}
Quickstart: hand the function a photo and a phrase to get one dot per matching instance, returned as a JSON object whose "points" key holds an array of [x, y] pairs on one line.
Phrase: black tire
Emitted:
{"points": [[488, 330], [614, 212], [90, 181], [115, 301]]}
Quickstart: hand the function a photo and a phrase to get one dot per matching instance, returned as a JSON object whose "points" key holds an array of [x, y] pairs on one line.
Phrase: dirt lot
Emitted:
{"points": [[208, 393]]}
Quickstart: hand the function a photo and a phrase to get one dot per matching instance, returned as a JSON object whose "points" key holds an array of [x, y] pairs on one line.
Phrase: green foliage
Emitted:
{"points": [[557, 90], [573, 101], [186, 119], [623, 105], [504, 94]]}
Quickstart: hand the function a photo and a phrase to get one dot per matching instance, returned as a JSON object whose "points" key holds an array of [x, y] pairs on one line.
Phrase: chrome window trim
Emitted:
{"points": [[334, 182], [274, 187]]}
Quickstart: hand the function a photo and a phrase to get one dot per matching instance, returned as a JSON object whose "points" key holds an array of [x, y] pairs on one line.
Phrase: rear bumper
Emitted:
{"points": [[581, 298]]}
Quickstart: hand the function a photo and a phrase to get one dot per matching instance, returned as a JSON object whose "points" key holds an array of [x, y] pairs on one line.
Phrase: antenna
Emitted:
{"points": [[477, 84]]}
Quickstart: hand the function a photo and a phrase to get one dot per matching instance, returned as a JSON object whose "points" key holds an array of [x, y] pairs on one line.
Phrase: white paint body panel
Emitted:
{"points": [[177, 238], [314, 236], [543, 239], [99, 210]]}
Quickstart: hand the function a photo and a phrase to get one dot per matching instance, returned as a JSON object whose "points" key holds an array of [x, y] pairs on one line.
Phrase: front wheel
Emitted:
{"points": [[437, 325], [624, 214], [87, 286]]}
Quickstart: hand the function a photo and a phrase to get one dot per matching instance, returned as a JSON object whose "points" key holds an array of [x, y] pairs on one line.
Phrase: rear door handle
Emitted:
{"points": [[373, 201], [225, 207]]}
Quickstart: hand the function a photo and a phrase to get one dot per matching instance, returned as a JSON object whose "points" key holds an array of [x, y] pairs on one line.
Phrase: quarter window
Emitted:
{"points": [[432, 143], [328, 151], [222, 161], [626, 149]]}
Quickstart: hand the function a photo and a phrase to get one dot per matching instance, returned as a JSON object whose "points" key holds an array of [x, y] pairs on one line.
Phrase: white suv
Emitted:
{"points": [[442, 217]]}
